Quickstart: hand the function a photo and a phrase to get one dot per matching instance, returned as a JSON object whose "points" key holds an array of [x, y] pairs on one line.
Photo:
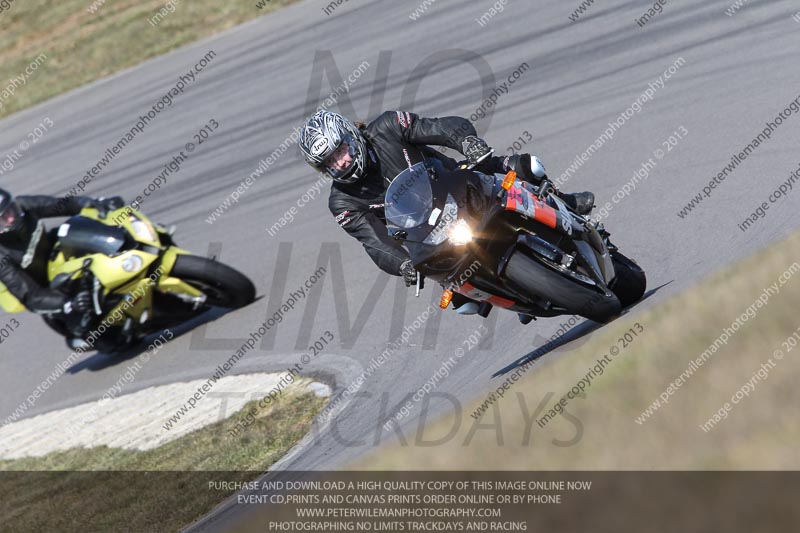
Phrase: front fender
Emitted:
{"points": [[170, 284]]}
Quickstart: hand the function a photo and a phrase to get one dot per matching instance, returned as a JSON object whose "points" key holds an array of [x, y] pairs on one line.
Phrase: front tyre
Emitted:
{"points": [[223, 286], [536, 279], [630, 281]]}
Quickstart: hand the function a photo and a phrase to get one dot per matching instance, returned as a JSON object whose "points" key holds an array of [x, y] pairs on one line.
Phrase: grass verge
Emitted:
{"points": [[164, 489], [600, 431], [75, 45]]}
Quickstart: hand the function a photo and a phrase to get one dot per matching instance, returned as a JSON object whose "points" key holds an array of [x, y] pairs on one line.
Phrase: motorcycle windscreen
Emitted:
{"points": [[81, 236], [409, 198]]}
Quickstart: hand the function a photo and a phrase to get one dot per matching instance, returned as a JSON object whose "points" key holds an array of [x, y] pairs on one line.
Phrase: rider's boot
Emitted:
{"points": [[464, 305], [525, 319], [469, 308], [78, 344], [581, 202]]}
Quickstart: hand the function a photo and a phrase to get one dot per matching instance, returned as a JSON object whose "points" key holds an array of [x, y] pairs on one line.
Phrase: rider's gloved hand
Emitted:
{"points": [[46, 302], [409, 273], [475, 149], [104, 205], [81, 303], [111, 202]]}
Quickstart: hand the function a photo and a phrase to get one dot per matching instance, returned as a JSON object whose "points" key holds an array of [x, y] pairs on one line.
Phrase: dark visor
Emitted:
{"points": [[10, 218]]}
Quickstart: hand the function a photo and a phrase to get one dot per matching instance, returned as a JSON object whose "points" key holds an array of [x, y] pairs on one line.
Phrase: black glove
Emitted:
{"points": [[475, 149], [409, 274], [81, 303], [104, 205], [46, 302]]}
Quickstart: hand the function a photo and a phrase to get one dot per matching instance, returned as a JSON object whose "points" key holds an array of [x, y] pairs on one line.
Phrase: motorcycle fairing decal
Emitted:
{"points": [[476, 294], [545, 214], [519, 202], [564, 217], [523, 201]]}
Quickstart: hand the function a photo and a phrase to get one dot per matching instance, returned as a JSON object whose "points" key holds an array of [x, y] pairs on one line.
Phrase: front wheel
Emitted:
{"points": [[630, 281], [536, 279], [223, 286]]}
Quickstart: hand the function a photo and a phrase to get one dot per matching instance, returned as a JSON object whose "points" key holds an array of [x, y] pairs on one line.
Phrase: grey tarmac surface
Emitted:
{"points": [[738, 72]]}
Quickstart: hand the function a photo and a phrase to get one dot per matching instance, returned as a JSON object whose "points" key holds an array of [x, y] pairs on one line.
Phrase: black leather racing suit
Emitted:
{"points": [[24, 253], [395, 140]]}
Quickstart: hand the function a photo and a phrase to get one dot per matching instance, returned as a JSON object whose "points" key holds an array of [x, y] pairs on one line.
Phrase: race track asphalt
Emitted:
{"points": [[736, 74]]}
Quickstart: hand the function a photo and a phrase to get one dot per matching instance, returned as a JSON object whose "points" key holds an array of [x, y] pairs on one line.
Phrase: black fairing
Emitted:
{"points": [[497, 233], [435, 260], [474, 194]]}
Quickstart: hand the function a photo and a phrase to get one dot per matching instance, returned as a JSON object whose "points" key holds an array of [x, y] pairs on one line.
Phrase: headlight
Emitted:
{"points": [[443, 220], [142, 230], [459, 233], [132, 264]]}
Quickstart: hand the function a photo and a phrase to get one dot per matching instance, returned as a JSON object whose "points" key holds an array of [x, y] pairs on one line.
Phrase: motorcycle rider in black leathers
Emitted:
{"points": [[363, 159], [25, 248]]}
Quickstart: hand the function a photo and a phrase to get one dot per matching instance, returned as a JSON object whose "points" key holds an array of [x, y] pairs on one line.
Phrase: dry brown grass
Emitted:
{"points": [[82, 47]]}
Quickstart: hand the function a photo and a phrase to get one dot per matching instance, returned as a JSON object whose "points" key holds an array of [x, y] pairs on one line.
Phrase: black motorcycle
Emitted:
{"points": [[505, 242]]}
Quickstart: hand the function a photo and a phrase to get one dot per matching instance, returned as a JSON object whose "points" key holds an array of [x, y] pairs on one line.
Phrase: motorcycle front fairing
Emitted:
{"points": [[126, 258], [422, 205], [425, 201]]}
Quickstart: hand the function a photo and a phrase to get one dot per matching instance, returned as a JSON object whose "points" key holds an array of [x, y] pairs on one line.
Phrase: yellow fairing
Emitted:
{"points": [[132, 273], [171, 284], [108, 270], [9, 302]]}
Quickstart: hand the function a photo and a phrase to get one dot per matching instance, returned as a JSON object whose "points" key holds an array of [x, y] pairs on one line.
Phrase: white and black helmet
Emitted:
{"points": [[322, 135]]}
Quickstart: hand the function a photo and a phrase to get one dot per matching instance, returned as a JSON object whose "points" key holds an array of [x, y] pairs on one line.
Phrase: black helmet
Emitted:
{"points": [[323, 134], [11, 216]]}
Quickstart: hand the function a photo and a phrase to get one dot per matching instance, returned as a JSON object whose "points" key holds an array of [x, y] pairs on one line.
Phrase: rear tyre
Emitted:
{"points": [[224, 286], [630, 282], [536, 279]]}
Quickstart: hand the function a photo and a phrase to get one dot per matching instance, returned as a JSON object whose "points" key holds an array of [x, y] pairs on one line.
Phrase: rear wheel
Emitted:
{"points": [[630, 281], [537, 279], [224, 286]]}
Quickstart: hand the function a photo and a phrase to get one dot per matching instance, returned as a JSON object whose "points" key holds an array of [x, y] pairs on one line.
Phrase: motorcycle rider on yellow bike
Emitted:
{"points": [[25, 247]]}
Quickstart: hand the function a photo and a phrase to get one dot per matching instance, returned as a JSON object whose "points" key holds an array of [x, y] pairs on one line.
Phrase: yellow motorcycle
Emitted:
{"points": [[139, 280]]}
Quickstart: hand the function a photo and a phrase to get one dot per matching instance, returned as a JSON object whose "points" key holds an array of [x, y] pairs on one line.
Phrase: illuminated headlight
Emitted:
{"points": [[443, 220], [143, 231], [459, 233], [132, 264]]}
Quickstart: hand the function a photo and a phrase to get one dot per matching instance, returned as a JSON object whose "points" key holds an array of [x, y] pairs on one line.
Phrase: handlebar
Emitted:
{"points": [[471, 166], [545, 188]]}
